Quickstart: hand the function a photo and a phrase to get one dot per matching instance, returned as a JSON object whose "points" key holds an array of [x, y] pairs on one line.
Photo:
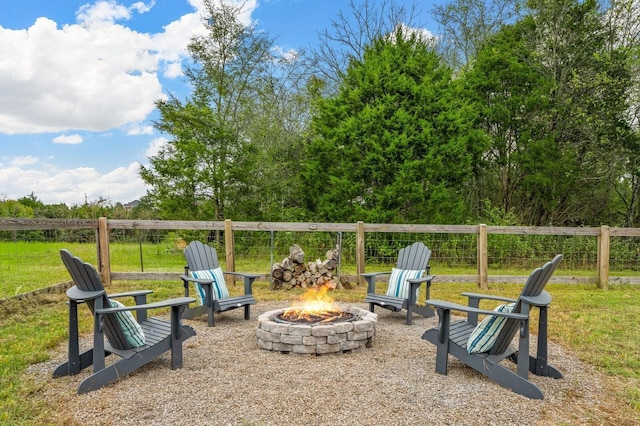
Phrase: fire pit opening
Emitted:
{"points": [[298, 316], [316, 325]]}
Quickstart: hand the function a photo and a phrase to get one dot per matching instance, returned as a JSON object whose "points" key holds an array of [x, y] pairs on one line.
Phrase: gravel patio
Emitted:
{"points": [[228, 380]]}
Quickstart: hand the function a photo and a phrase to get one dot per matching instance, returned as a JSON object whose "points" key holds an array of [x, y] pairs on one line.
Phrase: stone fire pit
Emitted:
{"points": [[318, 338]]}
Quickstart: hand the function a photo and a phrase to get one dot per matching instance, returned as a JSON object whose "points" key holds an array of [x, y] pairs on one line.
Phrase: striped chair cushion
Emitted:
{"points": [[219, 288], [130, 327], [398, 284], [485, 334]]}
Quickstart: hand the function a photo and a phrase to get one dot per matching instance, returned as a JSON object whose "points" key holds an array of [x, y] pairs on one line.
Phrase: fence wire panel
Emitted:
{"points": [[454, 250], [30, 260], [624, 254], [144, 250], [530, 251], [252, 251], [451, 250]]}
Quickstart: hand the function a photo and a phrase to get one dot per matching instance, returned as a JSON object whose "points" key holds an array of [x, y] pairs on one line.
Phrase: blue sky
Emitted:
{"points": [[78, 81]]}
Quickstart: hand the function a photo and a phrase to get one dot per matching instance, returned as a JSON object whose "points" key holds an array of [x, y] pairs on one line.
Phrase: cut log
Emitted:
{"points": [[277, 272], [330, 264], [313, 268], [287, 264], [296, 254]]}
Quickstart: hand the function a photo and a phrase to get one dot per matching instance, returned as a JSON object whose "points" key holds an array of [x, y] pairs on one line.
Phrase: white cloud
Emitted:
{"points": [[421, 34], [173, 70], [155, 146], [102, 11], [142, 7], [24, 160], [68, 139], [94, 75], [73, 186], [138, 129]]}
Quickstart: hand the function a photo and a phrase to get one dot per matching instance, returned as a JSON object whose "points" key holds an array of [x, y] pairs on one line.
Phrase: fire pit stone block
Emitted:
{"points": [[322, 330], [299, 330]]}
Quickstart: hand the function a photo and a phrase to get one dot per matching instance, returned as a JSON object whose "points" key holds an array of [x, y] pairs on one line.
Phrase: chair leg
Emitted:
{"points": [[210, 320], [70, 368], [247, 312], [176, 337], [442, 352], [208, 294], [75, 363], [538, 364]]}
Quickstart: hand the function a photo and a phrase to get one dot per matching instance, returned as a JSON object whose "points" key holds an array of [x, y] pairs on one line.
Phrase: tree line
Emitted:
{"points": [[515, 113]]}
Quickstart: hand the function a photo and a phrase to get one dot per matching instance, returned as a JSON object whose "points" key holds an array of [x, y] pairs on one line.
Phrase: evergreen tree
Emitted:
{"points": [[397, 143]]}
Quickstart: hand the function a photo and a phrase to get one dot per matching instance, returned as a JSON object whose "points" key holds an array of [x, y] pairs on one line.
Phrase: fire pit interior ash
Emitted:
{"points": [[301, 316]]}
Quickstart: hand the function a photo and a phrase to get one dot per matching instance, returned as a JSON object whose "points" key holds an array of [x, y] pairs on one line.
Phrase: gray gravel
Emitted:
{"points": [[227, 380]]}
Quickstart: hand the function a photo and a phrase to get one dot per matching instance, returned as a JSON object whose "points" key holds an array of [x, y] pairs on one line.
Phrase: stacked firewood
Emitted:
{"points": [[294, 272]]}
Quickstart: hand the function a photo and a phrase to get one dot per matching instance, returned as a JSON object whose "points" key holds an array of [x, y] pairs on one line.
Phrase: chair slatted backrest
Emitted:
{"points": [[86, 278], [200, 257], [414, 257], [534, 286]]}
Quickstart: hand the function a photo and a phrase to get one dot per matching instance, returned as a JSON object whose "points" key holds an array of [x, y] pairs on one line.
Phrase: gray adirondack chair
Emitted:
{"points": [[203, 257], [413, 257], [452, 337], [161, 335]]}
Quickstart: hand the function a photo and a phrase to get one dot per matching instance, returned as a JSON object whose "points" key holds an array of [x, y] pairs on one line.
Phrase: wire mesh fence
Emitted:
{"points": [[30, 260], [29, 252], [580, 252]]}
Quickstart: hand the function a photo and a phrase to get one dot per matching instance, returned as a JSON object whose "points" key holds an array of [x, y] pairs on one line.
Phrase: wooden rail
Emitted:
{"points": [[103, 226]]}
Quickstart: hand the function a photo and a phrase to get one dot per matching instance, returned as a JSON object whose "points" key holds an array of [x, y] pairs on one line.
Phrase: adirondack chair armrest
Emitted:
{"points": [[178, 301], [474, 302], [370, 277], [415, 283], [478, 296], [74, 293], [248, 280], [130, 294], [421, 280], [449, 306], [243, 274], [543, 299], [187, 278], [373, 274]]}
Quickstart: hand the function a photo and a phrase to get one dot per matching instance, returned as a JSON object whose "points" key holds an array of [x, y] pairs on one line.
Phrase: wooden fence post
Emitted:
{"points": [[104, 259], [360, 251], [229, 248], [604, 244], [483, 254]]}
